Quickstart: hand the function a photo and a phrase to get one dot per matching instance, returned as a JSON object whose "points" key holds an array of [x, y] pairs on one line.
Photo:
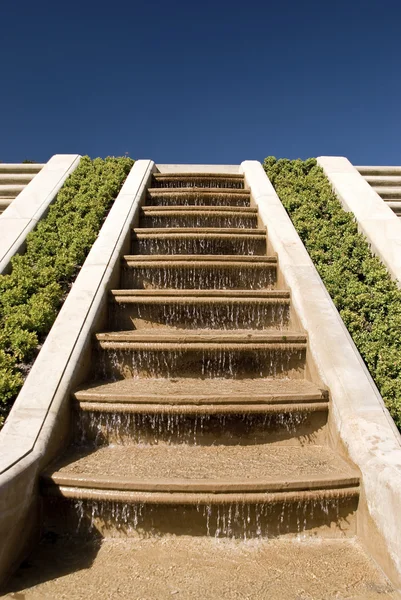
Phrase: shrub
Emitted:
{"points": [[32, 294], [366, 297]]}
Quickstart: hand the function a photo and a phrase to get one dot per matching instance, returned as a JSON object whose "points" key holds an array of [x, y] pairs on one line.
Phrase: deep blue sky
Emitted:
{"points": [[185, 81]]}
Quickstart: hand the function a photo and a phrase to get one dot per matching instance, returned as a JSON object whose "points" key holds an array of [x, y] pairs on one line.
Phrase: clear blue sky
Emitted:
{"points": [[185, 81]]}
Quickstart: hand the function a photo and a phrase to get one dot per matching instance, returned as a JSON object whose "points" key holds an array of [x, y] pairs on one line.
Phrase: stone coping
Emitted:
{"points": [[376, 220], [363, 424], [31, 205]]}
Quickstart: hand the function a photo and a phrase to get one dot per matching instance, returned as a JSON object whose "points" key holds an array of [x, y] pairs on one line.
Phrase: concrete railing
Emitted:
{"points": [[38, 424], [359, 422], [31, 205], [374, 217]]}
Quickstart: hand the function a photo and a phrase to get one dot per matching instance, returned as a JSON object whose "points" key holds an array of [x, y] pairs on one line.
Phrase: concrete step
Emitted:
{"points": [[193, 216], [278, 569], [388, 191], [382, 171], [10, 191], [16, 178], [199, 272], [200, 392], [395, 206], [202, 412], [199, 240], [5, 203], [198, 197], [172, 482], [21, 168], [228, 309], [382, 180], [199, 180], [202, 353]]}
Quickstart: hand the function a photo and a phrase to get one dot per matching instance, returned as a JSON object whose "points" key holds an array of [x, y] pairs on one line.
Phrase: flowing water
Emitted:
{"points": [[202, 314], [192, 276], [240, 245], [201, 220], [141, 466]]}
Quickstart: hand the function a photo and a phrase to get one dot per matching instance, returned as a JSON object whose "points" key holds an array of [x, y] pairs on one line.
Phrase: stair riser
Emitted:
{"points": [[243, 245], [299, 427], [330, 517], [199, 315], [205, 220], [198, 277], [198, 199], [116, 362]]}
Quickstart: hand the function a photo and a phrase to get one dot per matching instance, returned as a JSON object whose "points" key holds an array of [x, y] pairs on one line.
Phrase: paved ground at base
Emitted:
{"points": [[200, 568]]}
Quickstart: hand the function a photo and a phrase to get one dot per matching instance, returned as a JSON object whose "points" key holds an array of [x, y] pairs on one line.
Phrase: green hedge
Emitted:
{"points": [[32, 294], [367, 299]]}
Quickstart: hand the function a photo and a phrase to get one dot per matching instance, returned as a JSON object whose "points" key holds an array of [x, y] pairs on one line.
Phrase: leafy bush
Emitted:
{"points": [[32, 294], [366, 297]]}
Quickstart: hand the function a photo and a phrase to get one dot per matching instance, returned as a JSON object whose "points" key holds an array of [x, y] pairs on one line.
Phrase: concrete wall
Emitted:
{"points": [[31, 205], [38, 425], [361, 426], [375, 219]]}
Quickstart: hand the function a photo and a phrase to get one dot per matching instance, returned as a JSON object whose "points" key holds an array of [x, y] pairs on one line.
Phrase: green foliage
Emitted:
{"points": [[32, 294], [367, 299]]}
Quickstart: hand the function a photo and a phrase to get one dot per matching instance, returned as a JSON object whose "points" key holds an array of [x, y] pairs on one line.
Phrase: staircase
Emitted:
{"points": [[13, 179], [386, 181], [200, 464]]}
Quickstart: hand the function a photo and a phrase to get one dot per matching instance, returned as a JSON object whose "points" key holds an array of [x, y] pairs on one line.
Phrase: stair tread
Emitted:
{"points": [[193, 258], [383, 189], [198, 191], [197, 231], [193, 390], [199, 209], [278, 569], [223, 294], [203, 335], [185, 467]]}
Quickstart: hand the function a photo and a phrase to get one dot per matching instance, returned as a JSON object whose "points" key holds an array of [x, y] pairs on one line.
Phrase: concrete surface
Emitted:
{"points": [[31, 205], [38, 423], [375, 218], [361, 425]]}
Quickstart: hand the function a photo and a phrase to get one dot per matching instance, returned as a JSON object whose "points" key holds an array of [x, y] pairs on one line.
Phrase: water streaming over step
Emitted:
{"points": [[199, 182], [242, 520], [114, 363], [198, 199], [226, 314], [243, 245], [199, 429], [197, 220], [190, 276]]}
